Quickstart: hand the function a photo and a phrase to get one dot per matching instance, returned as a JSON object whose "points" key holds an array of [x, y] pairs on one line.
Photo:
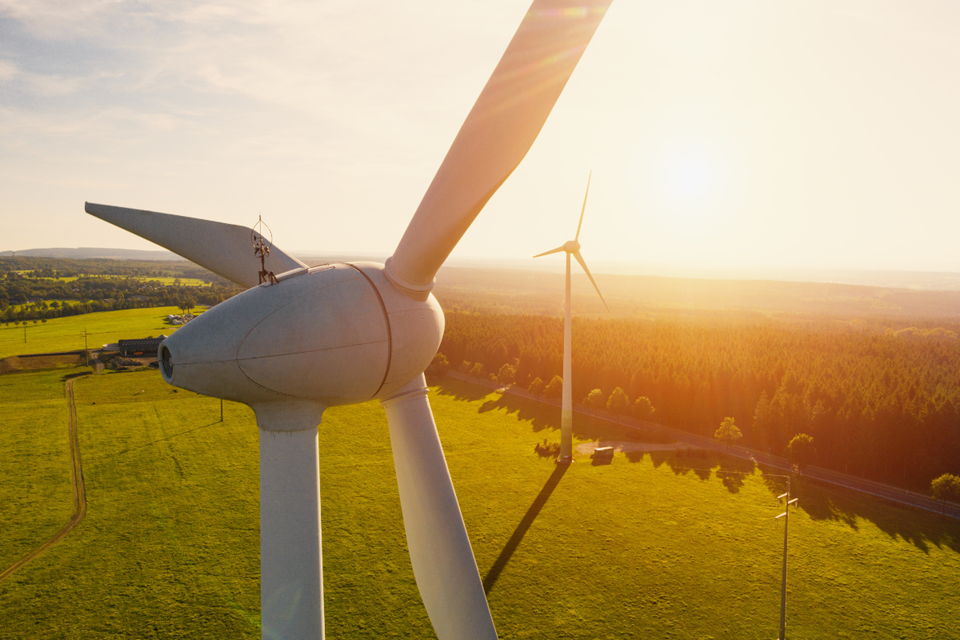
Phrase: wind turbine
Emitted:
{"points": [[571, 248], [309, 338]]}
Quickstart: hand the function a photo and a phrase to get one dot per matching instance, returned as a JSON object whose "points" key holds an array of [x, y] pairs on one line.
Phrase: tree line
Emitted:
{"points": [[880, 402], [55, 288]]}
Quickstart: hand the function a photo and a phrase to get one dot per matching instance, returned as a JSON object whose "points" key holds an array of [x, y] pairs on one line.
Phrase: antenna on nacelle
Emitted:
{"points": [[261, 249]]}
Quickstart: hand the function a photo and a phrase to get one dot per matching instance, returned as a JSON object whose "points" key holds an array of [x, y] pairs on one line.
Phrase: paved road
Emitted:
{"points": [[79, 493], [894, 494]]}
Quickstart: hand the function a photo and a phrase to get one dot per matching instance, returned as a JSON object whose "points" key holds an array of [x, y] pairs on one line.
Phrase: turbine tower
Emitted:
{"points": [[571, 248], [305, 339]]}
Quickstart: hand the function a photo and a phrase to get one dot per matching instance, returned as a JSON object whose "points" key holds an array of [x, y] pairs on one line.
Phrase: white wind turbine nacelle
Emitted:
{"points": [[336, 334], [347, 333]]}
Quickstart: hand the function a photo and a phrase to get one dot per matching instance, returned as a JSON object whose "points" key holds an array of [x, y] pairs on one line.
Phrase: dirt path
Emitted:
{"points": [[619, 445], [79, 494]]}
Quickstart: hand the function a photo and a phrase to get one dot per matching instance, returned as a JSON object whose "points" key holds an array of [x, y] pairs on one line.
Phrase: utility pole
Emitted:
{"points": [[24, 331], [221, 409], [783, 589]]}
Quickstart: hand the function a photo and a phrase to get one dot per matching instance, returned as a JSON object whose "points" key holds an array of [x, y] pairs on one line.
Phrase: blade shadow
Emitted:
{"points": [[504, 558]]}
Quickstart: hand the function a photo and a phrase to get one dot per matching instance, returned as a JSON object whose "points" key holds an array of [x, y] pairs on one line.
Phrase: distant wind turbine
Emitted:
{"points": [[566, 411]]}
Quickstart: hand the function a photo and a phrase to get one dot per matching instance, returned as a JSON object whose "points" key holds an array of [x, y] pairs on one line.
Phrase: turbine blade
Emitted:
{"points": [[546, 253], [440, 551], [498, 132], [580, 224], [576, 254], [225, 249]]}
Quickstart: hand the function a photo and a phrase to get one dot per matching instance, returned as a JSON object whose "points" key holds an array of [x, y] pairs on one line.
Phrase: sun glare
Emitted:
{"points": [[689, 177]]}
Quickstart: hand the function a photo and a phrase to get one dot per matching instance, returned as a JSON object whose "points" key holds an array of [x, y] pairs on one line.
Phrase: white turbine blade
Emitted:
{"points": [[580, 224], [496, 135], [576, 254], [546, 253], [225, 249], [440, 550]]}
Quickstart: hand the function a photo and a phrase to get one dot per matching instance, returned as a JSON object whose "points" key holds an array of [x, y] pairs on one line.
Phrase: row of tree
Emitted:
{"points": [[44, 288], [24, 299], [32, 267], [881, 404]]}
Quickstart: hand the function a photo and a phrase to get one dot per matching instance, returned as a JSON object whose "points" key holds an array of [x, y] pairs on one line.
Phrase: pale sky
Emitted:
{"points": [[772, 133]]}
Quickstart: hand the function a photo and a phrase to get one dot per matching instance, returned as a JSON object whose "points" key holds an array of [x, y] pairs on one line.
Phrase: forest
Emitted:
{"points": [[880, 398], [42, 288]]}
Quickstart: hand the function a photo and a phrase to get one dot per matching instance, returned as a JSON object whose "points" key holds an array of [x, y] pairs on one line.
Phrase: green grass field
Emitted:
{"points": [[164, 280], [168, 281], [640, 548], [34, 462], [66, 334]]}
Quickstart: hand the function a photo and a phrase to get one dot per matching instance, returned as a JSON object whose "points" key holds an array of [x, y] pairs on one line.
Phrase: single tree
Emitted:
{"points": [[945, 487], [477, 371], [618, 403], [595, 400], [643, 408], [464, 367], [728, 433], [440, 365], [554, 389], [801, 451], [507, 374], [536, 387]]}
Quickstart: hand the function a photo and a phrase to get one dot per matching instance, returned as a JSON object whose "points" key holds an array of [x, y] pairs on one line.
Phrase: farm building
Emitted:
{"points": [[140, 346]]}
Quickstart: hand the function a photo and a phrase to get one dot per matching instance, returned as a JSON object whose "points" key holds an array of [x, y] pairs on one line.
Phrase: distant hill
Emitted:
{"points": [[515, 291], [485, 286], [918, 280], [81, 253]]}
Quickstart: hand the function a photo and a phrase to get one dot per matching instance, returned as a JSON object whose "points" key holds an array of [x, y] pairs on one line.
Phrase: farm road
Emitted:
{"points": [[79, 493]]}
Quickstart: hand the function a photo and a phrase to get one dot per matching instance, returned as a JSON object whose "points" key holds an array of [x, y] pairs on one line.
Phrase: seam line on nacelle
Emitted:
{"points": [[386, 318], [295, 353]]}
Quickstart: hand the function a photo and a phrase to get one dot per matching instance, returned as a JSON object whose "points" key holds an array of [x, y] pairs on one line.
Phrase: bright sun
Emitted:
{"points": [[689, 177]]}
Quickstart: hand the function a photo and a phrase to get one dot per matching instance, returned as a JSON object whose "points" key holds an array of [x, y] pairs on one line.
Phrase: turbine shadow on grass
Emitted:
{"points": [[521, 530], [153, 442]]}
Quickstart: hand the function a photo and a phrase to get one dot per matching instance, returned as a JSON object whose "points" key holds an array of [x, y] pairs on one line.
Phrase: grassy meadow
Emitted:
{"points": [[66, 334], [35, 491], [650, 546], [164, 280]]}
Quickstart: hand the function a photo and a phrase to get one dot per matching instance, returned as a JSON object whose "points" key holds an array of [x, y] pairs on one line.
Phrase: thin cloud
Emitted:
{"points": [[8, 71]]}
